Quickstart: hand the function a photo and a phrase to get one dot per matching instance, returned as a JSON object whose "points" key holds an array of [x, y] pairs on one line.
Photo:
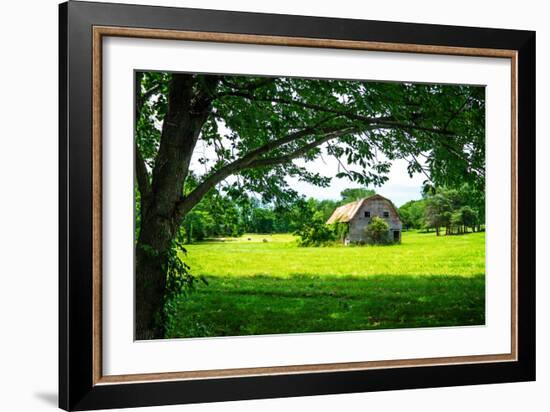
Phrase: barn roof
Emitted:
{"points": [[345, 213]]}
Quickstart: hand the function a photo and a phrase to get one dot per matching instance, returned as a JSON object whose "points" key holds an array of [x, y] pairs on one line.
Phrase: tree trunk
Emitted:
{"points": [[150, 284], [155, 239], [188, 108]]}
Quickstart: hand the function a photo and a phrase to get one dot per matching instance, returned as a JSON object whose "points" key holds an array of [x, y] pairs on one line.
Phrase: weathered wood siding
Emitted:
{"points": [[376, 207]]}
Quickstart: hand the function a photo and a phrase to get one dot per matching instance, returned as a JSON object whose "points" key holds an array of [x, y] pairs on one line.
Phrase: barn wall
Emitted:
{"points": [[377, 207]]}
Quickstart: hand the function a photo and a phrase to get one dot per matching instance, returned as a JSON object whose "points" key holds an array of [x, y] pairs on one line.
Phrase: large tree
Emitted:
{"points": [[258, 128]]}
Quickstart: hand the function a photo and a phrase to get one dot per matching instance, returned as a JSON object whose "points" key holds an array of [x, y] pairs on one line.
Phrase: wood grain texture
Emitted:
{"points": [[298, 42], [100, 31], [296, 369], [97, 206]]}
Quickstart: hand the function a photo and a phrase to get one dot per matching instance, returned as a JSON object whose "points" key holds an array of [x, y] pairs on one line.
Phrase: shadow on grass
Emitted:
{"points": [[233, 306]]}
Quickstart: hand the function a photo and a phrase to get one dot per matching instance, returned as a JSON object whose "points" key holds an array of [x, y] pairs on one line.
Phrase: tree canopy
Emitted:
{"points": [[258, 126]]}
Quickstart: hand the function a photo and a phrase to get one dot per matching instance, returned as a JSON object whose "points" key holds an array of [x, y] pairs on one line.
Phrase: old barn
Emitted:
{"points": [[357, 215]]}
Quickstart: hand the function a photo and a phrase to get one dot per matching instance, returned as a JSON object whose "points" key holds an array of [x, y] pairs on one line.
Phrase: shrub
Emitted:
{"points": [[378, 231], [340, 230], [315, 232]]}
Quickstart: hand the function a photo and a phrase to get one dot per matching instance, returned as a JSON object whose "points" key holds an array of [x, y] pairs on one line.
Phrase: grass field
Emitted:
{"points": [[274, 286]]}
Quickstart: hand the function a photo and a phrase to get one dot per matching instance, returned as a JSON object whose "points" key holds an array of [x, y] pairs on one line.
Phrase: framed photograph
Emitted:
{"points": [[256, 206]]}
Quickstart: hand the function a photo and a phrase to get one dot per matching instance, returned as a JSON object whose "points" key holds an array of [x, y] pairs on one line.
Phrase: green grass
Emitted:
{"points": [[418, 254], [258, 287]]}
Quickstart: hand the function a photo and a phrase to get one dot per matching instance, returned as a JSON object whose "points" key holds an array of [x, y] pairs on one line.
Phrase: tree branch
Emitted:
{"points": [[248, 86], [272, 161], [450, 148], [349, 114], [417, 163], [386, 121], [253, 159], [455, 114], [391, 124]]}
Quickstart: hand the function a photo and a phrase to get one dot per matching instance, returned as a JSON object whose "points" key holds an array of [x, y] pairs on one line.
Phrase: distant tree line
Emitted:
{"points": [[455, 210], [222, 215], [445, 210], [219, 214]]}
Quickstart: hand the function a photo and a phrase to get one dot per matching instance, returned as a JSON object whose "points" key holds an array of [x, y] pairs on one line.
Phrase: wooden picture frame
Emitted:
{"points": [[82, 385]]}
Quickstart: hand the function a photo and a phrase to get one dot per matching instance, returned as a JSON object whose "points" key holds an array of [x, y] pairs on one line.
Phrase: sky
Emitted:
{"points": [[400, 188]]}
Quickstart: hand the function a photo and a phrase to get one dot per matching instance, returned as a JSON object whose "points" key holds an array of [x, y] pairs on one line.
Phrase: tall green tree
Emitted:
{"points": [[460, 208], [412, 214], [353, 194], [438, 212], [313, 230], [258, 127]]}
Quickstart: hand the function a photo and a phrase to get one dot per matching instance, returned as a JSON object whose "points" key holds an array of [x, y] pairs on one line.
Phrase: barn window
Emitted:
{"points": [[386, 214], [367, 214]]}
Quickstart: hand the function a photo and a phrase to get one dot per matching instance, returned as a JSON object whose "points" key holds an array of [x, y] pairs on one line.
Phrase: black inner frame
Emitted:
{"points": [[76, 389]]}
